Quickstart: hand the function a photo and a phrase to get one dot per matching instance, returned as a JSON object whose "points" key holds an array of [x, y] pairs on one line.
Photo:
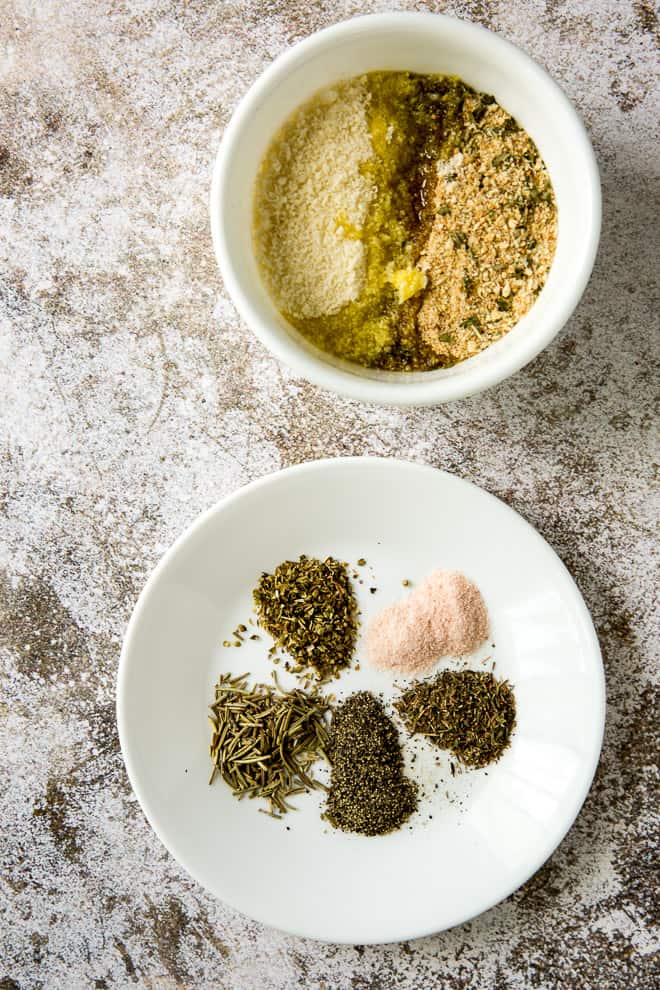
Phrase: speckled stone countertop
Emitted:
{"points": [[133, 398]]}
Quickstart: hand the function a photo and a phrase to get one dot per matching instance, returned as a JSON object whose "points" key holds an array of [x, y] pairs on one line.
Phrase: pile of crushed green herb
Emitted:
{"points": [[468, 712], [308, 607]]}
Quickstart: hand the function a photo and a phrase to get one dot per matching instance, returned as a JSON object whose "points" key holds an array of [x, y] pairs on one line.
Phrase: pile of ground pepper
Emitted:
{"points": [[368, 793], [308, 607], [468, 712], [403, 221]]}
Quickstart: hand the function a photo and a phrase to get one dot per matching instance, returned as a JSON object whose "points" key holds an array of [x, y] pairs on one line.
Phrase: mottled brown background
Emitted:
{"points": [[133, 398]]}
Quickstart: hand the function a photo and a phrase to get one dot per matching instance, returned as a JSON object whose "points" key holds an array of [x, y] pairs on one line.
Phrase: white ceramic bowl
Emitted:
{"points": [[477, 835], [419, 43]]}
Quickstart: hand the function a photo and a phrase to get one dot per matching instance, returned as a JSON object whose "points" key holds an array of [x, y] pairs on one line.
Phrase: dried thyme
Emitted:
{"points": [[265, 740], [368, 791], [468, 712], [309, 609]]}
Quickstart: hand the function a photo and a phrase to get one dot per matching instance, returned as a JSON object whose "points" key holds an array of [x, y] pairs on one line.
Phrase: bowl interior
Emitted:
{"points": [[419, 43]]}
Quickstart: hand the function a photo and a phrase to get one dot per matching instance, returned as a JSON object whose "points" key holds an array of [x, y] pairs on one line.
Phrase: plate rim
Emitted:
{"points": [[367, 462]]}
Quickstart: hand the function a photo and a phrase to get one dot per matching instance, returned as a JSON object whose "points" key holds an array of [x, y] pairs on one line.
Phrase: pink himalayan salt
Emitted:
{"points": [[444, 616]]}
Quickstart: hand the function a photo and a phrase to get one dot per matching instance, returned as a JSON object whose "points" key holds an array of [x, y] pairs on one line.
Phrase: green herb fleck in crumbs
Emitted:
{"points": [[510, 126], [459, 239], [473, 323]]}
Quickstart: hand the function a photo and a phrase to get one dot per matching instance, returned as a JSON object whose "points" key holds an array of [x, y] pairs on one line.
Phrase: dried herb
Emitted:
{"points": [[486, 101], [472, 322], [468, 712], [265, 740], [459, 238], [536, 196], [510, 126], [309, 609], [504, 158], [368, 793]]}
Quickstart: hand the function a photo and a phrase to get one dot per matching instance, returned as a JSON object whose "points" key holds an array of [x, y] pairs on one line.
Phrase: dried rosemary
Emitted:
{"points": [[468, 712], [309, 609], [265, 740], [368, 791]]}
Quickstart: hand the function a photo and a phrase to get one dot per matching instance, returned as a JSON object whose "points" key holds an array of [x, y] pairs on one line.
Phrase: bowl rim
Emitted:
{"points": [[392, 391]]}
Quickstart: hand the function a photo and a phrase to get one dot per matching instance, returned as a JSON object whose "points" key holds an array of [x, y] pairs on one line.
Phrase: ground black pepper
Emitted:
{"points": [[368, 793]]}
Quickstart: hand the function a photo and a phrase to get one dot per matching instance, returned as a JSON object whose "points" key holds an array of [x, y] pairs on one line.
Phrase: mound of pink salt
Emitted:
{"points": [[444, 616]]}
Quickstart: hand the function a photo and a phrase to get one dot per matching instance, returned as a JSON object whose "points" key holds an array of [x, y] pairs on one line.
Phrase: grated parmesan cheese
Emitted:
{"points": [[311, 202]]}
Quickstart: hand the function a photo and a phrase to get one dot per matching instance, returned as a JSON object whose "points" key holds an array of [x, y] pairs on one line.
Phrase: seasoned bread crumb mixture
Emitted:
{"points": [[403, 221], [490, 247]]}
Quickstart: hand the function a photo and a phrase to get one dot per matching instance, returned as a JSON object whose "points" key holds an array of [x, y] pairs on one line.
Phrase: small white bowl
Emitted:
{"points": [[418, 43]]}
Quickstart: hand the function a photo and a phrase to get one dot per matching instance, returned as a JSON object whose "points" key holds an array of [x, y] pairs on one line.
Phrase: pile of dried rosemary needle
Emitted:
{"points": [[265, 740], [309, 609], [468, 712]]}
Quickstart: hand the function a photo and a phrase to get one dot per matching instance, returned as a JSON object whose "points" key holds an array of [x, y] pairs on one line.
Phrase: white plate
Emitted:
{"points": [[482, 833]]}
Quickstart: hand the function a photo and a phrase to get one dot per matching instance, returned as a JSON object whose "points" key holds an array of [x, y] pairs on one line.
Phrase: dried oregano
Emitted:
{"points": [[309, 609], [468, 712]]}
